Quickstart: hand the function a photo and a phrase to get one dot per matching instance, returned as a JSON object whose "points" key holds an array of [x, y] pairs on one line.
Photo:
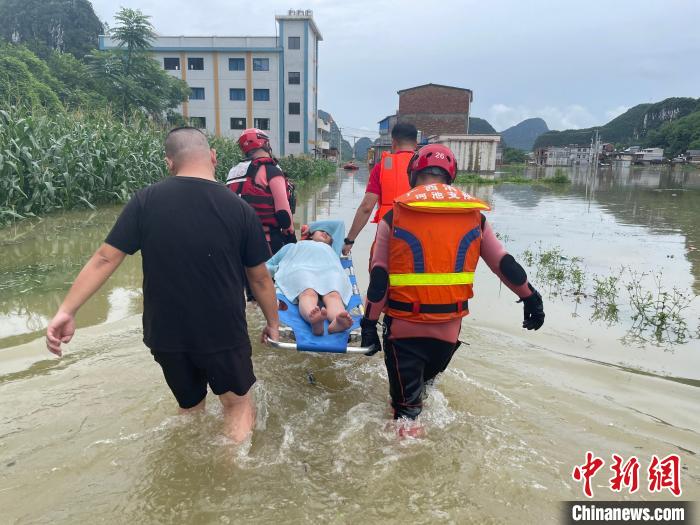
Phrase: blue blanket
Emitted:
{"points": [[289, 312]]}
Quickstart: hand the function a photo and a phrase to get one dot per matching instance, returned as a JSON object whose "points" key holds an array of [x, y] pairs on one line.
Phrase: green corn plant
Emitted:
{"points": [[64, 160]]}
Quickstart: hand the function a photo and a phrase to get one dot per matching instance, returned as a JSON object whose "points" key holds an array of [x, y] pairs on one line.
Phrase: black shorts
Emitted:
{"points": [[188, 374]]}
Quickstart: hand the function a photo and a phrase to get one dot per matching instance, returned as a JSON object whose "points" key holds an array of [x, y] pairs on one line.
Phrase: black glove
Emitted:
{"points": [[533, 310], [370, 336]]}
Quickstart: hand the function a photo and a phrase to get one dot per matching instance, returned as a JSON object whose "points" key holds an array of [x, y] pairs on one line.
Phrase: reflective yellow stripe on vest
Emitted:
{"points": [[448, 204], [430, 279]]}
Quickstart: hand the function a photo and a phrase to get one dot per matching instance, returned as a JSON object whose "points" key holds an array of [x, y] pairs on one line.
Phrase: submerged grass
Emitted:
{"points": [[514, 177], [605, 299], [655, 316], [562, 275], [658, 312]]}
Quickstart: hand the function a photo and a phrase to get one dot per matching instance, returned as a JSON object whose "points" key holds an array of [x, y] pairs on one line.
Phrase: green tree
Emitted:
{"points": [[81, 89], [513, 156], [19, 86], [62, 73], [69, 26], [677, 136], [129, 76], [133, 32]]}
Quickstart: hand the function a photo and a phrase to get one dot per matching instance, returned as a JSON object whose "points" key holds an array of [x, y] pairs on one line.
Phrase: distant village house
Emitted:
{"points": [[441, 114]]}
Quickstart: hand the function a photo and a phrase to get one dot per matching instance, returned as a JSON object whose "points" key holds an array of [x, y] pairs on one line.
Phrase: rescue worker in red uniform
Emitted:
{"points": [[422, 272], [260, 182], [387, 180]]}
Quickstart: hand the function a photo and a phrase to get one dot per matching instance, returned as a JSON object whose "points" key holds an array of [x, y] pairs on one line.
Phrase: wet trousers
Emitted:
{"points": [[410, 363]]}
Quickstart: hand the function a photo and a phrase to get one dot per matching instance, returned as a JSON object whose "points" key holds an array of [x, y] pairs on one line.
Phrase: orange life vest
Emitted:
{"points": [[433, 253], [393, 180]]}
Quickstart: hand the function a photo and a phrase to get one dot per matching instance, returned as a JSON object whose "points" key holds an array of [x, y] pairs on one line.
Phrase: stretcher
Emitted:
{"points": [[304, 339]]}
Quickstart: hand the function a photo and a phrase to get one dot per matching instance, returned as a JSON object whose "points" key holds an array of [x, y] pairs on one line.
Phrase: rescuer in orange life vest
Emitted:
{"points": [[426, 252], [260, 182], [387, 180]]}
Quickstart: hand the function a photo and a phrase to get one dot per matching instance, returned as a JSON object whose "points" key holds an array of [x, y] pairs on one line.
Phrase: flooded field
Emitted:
{"points": [[94, 433]]}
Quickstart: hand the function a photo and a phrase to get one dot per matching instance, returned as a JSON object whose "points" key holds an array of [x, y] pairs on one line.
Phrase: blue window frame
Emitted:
{"points": [[261, 64], [197, 93], [236, 64], [261, 95], [236, 94]]}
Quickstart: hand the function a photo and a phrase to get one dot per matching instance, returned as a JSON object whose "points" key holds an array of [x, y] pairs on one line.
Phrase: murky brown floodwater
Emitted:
{"points": [[92, 437]]}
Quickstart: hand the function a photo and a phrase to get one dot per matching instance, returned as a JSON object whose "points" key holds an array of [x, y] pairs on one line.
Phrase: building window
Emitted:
{"points": [[196, 93], [261, 95], [196, 64], [294, 42], [171, 64], [238, 123], [294, 137], [261, 64], [198, 122], [294, 108], [236, 94], [236, 64], [261, 123], [294, 77]]}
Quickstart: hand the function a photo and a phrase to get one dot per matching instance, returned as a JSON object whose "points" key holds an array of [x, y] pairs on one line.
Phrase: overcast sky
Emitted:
{"points": [[575, 64]]}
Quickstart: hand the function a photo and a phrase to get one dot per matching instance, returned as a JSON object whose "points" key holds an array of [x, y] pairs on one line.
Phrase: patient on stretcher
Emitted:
{"points": [[310, 273]]}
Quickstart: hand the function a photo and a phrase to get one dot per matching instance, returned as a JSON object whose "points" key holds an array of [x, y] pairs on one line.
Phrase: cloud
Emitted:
{"points": [[573, 116]]}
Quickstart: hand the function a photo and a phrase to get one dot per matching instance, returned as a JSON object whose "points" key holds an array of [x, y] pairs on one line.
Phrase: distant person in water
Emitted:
{"points": [[198, 242], [310, 272]]}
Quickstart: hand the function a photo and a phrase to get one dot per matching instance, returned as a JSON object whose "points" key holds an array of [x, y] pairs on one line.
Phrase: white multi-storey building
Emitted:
{"points": [[250, 81]]}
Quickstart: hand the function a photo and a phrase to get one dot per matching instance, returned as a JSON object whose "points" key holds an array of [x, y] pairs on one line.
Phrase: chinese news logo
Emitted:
{"points": [[661, 474]]}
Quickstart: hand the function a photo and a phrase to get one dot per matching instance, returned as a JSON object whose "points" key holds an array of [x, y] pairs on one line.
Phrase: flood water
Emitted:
{"points": [[92, 437]]}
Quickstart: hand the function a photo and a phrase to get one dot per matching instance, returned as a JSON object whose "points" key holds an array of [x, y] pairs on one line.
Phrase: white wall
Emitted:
{"points": [[473, 152], [293, 61]]}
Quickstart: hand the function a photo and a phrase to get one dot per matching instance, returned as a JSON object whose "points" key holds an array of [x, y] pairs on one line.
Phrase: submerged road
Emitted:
{"points": [[92, 437]]}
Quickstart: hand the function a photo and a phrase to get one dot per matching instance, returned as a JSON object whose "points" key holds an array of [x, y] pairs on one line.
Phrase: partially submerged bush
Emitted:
{"points": [[301, 168], [655, 316]]}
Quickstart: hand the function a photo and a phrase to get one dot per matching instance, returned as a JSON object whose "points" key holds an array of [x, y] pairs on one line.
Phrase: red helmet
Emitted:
{"points": [[434, 158], [253, 138]]}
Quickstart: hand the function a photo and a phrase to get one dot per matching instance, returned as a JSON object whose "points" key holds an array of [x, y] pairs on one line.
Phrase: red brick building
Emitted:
{"points": [[436, 109]]}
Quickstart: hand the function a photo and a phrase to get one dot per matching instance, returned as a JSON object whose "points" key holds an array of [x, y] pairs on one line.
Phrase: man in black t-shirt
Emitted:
{"points": [[198, 240]]}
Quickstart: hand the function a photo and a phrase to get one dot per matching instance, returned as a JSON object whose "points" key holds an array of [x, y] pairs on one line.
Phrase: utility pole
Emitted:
{"points": [[354, 141], [340, 147]]}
